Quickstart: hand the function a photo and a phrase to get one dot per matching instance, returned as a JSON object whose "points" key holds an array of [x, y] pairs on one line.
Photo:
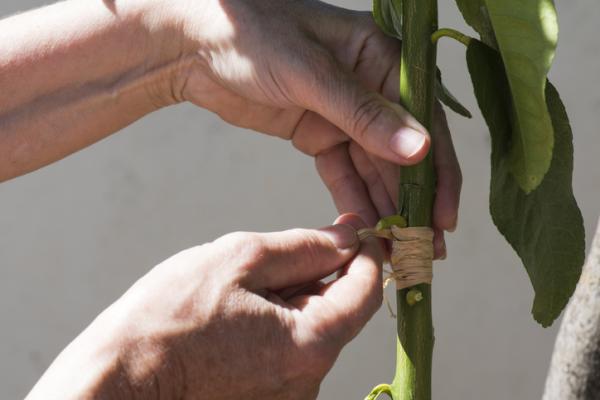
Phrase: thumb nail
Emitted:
{"points": [[407, 142], [352, 219], [342, 236]]}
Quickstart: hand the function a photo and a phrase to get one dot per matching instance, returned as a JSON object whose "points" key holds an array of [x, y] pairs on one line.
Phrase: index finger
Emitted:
{"points": [[344, 306]]}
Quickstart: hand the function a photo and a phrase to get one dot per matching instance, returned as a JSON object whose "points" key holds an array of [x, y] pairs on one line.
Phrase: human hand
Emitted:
{"points": [[245, 315], [321, 76], [325, 78]]}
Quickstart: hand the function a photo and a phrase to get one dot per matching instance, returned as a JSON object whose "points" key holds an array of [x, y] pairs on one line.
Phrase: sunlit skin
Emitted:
{"points": [[324, 78], [243, 314]]}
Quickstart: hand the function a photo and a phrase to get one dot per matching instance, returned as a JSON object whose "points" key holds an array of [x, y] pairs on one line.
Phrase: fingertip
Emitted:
{"points": [[352, 219], [372, 245], [445, 209], [439, 245], [453, 223], [343, 236], [446, 221]]}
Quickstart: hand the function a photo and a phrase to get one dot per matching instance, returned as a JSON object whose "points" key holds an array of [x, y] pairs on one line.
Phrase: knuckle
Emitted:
{"points": [[365, 23], [317, 63], [243, 245]]}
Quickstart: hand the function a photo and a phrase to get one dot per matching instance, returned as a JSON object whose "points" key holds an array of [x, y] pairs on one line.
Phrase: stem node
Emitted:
{"points": [[413, 296]]}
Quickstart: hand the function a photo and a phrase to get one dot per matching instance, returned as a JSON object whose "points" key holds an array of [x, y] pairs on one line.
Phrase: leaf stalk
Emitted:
{"points": [[452, 34]]}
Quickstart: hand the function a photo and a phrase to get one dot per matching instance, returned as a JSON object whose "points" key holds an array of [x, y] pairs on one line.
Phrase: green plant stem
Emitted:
{"points": [[451, 33], [417, 190]]}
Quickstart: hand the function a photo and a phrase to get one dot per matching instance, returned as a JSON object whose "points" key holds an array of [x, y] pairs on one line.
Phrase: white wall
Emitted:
{"points": [[75, 235]]}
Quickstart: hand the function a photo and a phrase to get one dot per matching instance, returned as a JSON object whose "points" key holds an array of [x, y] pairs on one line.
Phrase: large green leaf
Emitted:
{"points": [[527, 32], [544, 227], [475, 14], [388, 16]]}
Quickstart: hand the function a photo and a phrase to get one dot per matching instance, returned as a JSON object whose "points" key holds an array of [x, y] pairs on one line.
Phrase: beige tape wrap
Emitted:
{"points": [[412, 253], [412, 256]]}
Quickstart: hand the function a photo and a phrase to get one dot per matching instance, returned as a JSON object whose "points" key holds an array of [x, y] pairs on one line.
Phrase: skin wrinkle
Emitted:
{"points": [[278, 90], [292, 136], [368, 111], [345, 48], [361, 52]]}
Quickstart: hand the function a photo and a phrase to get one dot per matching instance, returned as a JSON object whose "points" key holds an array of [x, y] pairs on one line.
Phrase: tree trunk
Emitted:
{"points": [[575, 367]]}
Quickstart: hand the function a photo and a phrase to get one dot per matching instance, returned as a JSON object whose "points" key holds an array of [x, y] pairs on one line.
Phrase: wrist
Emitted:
{"points": [[89, 367], [136, 364], [183, 35], [107, 361], [164, 45]]}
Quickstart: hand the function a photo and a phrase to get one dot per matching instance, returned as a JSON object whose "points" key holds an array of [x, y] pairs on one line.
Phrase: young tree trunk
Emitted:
{"points": [[575, 367]]}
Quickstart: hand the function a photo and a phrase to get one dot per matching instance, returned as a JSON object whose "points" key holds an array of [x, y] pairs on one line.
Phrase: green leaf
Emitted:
{"points": [[475, 14], [545, 227], [443, 94], [527, 32], [388, 16], [388, 222]]}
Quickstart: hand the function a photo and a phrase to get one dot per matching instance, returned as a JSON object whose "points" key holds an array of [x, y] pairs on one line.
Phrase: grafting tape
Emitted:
{"points": [[412, 253]]}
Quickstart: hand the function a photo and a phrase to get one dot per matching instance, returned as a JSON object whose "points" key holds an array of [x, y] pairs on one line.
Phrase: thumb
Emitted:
{"points": [[345, 305], [381, 127], [283, 259]]}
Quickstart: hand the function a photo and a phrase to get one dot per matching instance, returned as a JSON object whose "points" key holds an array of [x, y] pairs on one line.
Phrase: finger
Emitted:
{"points": [[345, 305], [378, 125], [439, 245], [449, 177], [372, 180], [274, 261], [305, 289], [345, 185], [313, 134], [390, 174]]}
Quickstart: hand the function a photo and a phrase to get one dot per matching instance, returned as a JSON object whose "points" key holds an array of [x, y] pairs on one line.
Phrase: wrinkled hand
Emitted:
{"points": [[245, 315], [325, 78]]}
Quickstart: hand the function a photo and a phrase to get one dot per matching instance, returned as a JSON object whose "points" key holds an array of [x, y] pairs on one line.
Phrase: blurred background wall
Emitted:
{"points": [[74, 236]]}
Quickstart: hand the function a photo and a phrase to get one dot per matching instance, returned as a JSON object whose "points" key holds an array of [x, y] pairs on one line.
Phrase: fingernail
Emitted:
{"points": [[351, 219], [343, 236], [407, 142]]}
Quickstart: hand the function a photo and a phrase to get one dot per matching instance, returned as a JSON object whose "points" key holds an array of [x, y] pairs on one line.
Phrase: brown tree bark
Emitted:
{"points": [[575, 367]]}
